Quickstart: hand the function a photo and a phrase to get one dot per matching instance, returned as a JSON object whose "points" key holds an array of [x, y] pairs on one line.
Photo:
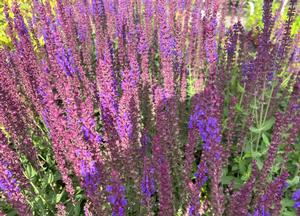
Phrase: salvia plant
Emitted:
{"points": [[149, 107]]}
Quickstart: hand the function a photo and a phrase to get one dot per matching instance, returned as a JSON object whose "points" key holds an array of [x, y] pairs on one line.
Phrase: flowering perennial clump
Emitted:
{"points": [[149, 107]]}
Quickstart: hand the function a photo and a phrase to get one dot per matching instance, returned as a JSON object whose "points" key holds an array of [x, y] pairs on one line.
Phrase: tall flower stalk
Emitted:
{"points": [[117, 107]]}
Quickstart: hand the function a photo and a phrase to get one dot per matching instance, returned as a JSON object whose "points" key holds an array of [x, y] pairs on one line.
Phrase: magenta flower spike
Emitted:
{"points": [[161, 164], [9, 186], [271, 199], [148, 182], [116, 196], [12, 178], [143, 107], [125, 118], [240, 199]]}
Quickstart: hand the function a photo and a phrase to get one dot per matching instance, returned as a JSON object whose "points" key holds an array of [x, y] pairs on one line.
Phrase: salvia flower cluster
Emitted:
{"points": [[149, 107]]}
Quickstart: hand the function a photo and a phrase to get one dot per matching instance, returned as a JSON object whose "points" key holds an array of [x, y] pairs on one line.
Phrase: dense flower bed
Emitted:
{"points": [[149, 108]]}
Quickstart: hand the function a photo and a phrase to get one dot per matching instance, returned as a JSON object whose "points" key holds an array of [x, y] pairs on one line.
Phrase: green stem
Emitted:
{"points": [[43, 199], [241, 100], [255, 111], [261, 122], [269, 102]]}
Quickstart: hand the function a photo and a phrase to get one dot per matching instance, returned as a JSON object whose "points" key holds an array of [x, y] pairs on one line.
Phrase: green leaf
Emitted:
{"points": [[50, 178], [242, 167], [256, 154], [259, 163], [238, 183], [59, 196], [265, 139], [268, 124], [30, 171], [294, 181], [239, 108], [79, 196], [288, 213], [12, 213], [240, 88], [226, 179], [287, 202], [234, 167], [77, 210], [57, 176], [275, 168], [225, 171], [247, 174], [255, 130]]}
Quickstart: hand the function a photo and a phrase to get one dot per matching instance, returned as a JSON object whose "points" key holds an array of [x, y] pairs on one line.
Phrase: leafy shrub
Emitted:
{"points": [[149, 108]]}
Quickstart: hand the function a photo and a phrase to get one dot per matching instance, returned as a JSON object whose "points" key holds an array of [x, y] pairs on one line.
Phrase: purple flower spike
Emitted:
{"points": [[296, 195], [10, 188], [148, 183], [116, 196], [296, 198]]}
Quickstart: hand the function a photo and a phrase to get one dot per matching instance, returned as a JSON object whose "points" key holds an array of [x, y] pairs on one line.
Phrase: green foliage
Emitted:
{"points": [[47, 188], [254, 14], [296, 26]]}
